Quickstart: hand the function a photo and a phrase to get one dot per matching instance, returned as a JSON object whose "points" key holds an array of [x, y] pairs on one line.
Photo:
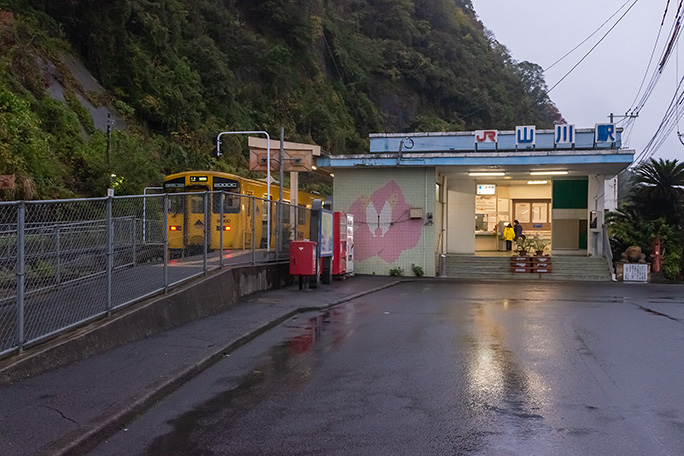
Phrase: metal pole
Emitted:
{"points": [[253, 229], [279, 234], [58, 271], [133, 233], [206, 230], [165, 236], [109, 141], [21, 268], [223, 196], [145, 209], [110, 254], [268, 172], [144, 231]]}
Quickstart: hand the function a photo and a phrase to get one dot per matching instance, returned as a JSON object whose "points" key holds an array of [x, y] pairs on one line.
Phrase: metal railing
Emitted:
{"points": [[608, 252], [64, 263]]}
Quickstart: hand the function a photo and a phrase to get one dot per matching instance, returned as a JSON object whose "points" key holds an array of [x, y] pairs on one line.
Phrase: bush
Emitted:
{"points": [[417, 270], [672, 265], [396, 272]]}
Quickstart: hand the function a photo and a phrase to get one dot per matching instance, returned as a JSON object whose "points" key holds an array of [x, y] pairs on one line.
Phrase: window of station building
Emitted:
{"points": [[439, 197], [485, 209], [540, 212]]}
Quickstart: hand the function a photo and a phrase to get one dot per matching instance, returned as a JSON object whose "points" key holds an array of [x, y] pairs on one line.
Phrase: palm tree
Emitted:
{"points": [[659, 190]]}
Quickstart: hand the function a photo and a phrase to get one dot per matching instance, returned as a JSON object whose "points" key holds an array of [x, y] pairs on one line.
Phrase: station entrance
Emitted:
{"points": [[501, 202]]}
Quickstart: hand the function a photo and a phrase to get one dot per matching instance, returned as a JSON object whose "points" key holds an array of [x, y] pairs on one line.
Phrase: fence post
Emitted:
{"points": [[165, 237], [58, 265], [206, 231], [21, 268], [134, 232], [253, 247], [279, 228], [110, 253], [223, 196]]}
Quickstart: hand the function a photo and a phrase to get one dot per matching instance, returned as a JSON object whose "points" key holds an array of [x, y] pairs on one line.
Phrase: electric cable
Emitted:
{"points": [[587, 38], [592, 49]]}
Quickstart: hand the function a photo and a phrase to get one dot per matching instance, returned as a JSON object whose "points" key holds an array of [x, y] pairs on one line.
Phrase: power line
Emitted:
{"points": [[594, 47], [587, 38]]}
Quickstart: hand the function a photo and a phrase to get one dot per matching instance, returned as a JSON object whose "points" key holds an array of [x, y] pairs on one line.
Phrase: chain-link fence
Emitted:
{"points": [[66, 262]]}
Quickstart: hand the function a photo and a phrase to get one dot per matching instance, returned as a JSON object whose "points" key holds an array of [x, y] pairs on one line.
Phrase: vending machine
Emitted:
{"points": [[350, 244], [343, 251]]}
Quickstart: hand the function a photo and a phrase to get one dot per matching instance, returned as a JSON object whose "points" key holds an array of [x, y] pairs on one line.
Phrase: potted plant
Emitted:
{"points": [[523, 245], [539, 245]]}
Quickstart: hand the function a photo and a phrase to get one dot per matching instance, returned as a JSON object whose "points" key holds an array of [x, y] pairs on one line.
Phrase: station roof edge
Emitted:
{"points": [[468, 133]]}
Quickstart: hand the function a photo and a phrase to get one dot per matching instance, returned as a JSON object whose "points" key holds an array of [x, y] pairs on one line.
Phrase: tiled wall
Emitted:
{"points": [[385, 236]]}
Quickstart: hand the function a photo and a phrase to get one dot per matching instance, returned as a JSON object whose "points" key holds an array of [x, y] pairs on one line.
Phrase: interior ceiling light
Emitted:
{"points": [[486, 174], [547, 173], [314, 167], [537, 182]]}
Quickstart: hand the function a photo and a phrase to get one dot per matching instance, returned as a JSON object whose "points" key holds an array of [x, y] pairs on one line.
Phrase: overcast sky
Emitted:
{"points": [[542, 31]]}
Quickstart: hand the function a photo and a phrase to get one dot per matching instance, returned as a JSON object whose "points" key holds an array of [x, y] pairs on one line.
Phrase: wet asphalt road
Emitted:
{"points": [[443, 368]]}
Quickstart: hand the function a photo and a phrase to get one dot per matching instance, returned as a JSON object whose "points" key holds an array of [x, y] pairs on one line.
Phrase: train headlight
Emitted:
{"points": [[174, 228], [226, 228]]}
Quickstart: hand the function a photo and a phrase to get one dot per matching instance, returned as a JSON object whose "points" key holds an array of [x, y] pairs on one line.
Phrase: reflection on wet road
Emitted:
{"points": [[440, 368]]}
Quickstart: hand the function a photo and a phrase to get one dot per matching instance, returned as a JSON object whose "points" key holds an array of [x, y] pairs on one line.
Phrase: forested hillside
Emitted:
{"points": [[179, 71]]}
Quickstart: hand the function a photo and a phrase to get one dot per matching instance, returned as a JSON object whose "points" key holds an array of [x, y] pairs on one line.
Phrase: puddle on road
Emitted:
{"points": [[292, 362]]}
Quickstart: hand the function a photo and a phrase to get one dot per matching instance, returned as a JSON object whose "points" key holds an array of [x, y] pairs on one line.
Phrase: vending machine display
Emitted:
{"points": [[343, 251], [350, 244]]}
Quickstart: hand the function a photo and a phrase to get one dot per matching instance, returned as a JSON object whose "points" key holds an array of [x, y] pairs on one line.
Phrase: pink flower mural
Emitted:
{"points": [[383, 226]]}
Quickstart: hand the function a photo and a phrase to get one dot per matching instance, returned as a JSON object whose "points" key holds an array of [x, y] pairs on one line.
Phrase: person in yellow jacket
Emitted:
{"points": [[508, 236]]}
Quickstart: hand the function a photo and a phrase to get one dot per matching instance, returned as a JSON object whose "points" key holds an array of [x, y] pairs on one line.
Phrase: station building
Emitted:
{"points": [[418, 196]]}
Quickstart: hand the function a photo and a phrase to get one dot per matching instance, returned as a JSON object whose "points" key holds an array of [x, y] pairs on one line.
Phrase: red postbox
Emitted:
{"points": [[303, 258]]}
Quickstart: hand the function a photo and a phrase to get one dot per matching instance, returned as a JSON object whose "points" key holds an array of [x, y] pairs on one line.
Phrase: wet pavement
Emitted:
{"points": [[419, 367], [442, 367]]}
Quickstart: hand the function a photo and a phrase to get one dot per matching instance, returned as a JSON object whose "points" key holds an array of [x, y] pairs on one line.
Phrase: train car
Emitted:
{"points": [[245, 212]]}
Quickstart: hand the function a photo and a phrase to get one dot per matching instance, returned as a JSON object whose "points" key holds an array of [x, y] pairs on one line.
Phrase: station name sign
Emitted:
{"points": [[526, 136]]}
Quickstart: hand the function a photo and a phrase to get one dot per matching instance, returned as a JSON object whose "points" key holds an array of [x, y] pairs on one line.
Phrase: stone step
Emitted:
{"points": [[564, 268]]}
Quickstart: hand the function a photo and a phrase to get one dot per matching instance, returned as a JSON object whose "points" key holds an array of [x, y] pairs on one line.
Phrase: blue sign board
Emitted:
{"points": [[565, 134], [525, 136], [605, 133]]}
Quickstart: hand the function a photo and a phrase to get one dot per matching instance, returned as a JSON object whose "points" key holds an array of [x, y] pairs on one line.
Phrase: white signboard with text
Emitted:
{"points": [[635, 272]]}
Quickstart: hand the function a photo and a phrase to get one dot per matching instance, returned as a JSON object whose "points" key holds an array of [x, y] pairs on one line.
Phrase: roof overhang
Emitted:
{"points": [[585, 162]]}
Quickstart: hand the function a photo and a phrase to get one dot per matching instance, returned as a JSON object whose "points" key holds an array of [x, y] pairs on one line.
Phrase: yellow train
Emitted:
{"points": [[244, 219]]}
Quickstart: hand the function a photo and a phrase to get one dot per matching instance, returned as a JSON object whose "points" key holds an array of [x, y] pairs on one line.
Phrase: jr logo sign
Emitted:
{"points": [[486, 136]]}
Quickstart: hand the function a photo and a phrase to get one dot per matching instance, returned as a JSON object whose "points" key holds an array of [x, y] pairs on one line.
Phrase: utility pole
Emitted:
{"points": [[109, 141], [626, 116]]}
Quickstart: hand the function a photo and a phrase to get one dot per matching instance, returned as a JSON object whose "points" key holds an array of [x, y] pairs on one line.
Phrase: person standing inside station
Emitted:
{"points": [[517, 229], [508, 235]]}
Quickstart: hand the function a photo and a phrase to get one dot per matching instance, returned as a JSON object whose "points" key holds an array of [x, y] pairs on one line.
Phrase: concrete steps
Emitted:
{"points": [[564, 268]]}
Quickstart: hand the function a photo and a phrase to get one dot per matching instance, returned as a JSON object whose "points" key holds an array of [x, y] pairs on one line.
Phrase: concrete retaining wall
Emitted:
{"points": [[199, 298]]}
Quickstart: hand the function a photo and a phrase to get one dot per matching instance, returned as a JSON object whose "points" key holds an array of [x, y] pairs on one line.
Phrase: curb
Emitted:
{"points": [[88, 437]]}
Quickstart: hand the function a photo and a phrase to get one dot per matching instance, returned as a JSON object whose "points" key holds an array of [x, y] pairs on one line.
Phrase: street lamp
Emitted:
{"points": [[268, 174]]}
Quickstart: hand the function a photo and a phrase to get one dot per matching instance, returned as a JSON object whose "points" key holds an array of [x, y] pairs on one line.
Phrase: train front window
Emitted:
{"points": [[197, 204], [231, 203]]}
